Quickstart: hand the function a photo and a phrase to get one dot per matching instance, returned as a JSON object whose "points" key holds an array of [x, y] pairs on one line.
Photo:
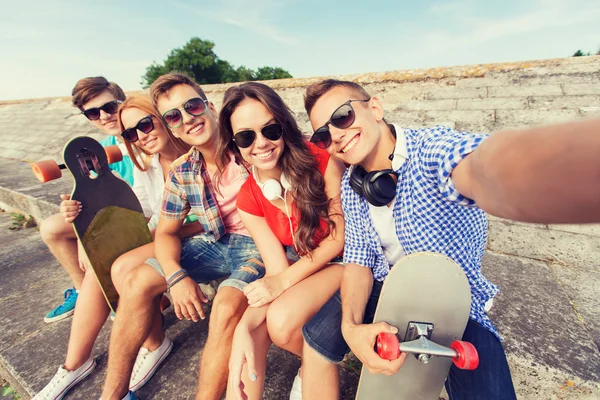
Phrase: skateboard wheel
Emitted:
{"points": [[466, 355], [113, 154], [388, 346], [46, 170]]}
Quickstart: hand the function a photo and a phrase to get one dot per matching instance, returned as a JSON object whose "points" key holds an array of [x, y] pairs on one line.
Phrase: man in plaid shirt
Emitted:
{"points": [[205, 183], [431, 194]]}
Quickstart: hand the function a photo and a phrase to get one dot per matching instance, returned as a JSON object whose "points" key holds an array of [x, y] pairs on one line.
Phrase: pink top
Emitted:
{"points": [[231, 182]]}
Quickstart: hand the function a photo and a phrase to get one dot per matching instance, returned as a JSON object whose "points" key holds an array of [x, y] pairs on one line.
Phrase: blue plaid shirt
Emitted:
{"points": [[429, 212]]}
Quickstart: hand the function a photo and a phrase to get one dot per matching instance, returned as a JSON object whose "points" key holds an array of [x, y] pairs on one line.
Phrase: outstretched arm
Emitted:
{"points": [[546, 175]]}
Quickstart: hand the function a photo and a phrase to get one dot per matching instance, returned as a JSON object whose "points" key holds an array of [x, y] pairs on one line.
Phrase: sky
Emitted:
{"points": [[46, 46]]}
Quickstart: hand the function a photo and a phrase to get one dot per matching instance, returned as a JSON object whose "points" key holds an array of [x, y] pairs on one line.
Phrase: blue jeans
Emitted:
{"points": [[491, 380], [205, 260]]}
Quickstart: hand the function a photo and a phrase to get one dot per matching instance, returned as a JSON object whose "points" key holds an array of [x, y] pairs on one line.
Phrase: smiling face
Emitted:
{"points": [[354, 145], [107, 123], [198, 131], [252, 115], [154, 141]]}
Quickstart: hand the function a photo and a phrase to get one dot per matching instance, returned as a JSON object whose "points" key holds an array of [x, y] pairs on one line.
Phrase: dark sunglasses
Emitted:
{"points": [[244, 139], [145, 125], [110, 108], [196, 107], [342, 118]]}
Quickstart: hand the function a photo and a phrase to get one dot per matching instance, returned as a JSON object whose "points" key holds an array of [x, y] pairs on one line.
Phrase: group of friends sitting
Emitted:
{"points": [[300, 229]]}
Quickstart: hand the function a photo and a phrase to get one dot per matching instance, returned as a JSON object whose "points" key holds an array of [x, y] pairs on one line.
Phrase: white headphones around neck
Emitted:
{"points": [[272, 189]]}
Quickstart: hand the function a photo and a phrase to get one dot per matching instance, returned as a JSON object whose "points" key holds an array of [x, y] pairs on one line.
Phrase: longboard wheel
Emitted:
{"points": [[113, 154], [46, 170], [466, 355], [388, 346]]}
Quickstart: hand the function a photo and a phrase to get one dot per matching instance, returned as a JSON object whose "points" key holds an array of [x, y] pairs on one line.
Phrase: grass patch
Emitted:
{"points": [[19, 221]]}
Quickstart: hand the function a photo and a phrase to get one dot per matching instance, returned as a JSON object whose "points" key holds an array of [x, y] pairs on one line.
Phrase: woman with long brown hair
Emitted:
{"points": [[291, 206]]}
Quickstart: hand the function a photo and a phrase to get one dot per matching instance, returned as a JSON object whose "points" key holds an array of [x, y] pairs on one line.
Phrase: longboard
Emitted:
{"points": [[427, 297], [111, 221]]}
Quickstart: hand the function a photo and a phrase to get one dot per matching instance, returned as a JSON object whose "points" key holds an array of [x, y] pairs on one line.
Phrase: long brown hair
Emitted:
{"points": [[296, 161], [136, 153]]}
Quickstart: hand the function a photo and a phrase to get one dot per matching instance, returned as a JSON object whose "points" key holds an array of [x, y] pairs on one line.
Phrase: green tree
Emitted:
{"points": [[198, 59], [580, 53]]}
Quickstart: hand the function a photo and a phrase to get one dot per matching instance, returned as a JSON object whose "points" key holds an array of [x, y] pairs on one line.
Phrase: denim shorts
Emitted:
{"points": [[323, 332], [233, 256]]}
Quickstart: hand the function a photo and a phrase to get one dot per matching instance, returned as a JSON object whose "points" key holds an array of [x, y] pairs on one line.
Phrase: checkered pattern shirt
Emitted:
{"points": [[189, 189], [429, 213]]}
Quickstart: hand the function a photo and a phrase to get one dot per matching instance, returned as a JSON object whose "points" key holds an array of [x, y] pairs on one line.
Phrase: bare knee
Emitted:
{"points": [[281, 324], [227, 309], [56, 228], [119, 270], [141, 284]]}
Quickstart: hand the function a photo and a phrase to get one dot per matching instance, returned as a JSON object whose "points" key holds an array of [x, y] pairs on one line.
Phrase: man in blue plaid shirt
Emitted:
{"points": [[408, 191]]}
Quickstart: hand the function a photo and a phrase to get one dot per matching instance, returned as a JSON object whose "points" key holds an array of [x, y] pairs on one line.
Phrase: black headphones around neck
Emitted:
{"points": [[377, 187]]}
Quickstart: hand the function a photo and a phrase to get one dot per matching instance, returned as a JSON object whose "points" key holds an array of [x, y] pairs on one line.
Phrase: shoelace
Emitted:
{"points": [[139, 361], [68, 293], [58, 377]]}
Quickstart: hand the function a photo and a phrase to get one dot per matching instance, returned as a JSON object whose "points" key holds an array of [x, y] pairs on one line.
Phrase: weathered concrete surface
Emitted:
{"points": [[31, 350], [21, 191], [551, 340]]}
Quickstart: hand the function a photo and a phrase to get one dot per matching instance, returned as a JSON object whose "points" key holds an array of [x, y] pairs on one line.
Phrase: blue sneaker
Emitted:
{"points": [[131, 396], [66, 309]]}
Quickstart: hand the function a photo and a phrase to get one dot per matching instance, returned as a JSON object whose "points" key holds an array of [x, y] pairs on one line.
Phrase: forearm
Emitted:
{"points": [[328, 249], [168, 252], [357, 284], [546, 174], [253, 317], [189, 230]]}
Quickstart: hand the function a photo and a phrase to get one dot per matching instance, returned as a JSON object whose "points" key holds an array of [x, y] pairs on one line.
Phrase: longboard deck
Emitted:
{"points": [[422, 287], [111, 221]]}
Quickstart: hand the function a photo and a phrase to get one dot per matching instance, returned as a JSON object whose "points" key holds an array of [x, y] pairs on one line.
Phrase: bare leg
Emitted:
{"points": [[91, 312], [227, 310], [60, 238], [120, 268], [254, 390], [320, 378], [296, 306], [140, 299]]}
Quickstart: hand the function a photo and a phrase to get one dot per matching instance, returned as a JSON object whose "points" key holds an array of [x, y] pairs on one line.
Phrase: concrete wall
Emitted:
{"points": [[476, 98]]}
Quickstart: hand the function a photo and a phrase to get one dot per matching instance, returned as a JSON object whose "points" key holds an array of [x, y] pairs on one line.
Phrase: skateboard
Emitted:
{"points": [[111, 221], [427, 297]]}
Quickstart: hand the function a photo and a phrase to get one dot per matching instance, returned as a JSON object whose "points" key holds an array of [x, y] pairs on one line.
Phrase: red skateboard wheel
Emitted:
{"points": [[113, 154], [466, 355], [388, 346], [46, 170]]}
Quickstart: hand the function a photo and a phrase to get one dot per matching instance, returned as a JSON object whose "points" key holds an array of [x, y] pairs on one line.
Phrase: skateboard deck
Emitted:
{"points": [[111, 221], [427, 297]]}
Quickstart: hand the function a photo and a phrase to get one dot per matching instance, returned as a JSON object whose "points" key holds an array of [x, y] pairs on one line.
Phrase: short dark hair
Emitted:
{"points": [[166, 82], [87, 88], [316, 90]]}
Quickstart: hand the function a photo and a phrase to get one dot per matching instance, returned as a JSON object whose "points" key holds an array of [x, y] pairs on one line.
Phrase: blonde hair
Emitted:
{"points": [[136, 153]]}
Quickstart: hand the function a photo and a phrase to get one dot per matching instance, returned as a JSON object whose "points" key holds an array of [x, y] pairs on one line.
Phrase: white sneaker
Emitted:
{"points": [[64, 380], [147, 363], [296, 392]]}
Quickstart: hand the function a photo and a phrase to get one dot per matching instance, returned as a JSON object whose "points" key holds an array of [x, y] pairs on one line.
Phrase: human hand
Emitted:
{"points": [[242, 352], [264, 291], [361, 340], [69, 208], [187, 300]]}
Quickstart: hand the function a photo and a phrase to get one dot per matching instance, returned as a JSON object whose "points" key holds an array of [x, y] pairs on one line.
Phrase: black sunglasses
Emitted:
{"points": [[244, 139], [342, 118], [110, 108], [196, 107], [145, 125]]}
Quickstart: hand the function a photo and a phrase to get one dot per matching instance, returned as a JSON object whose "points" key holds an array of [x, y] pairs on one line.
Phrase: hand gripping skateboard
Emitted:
{"points": [[427, 297], [111, 221]]}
